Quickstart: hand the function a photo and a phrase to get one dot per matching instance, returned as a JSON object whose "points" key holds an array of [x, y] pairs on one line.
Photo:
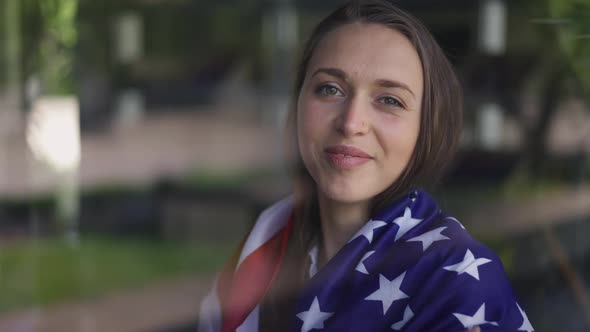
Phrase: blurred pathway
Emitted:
{"points": [[493, 219], [171, 144]]}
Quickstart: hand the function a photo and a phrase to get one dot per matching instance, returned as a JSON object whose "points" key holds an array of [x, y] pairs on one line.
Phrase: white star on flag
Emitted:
{"points": [[361, 265], [405, 223], [477, 319], [408, 314], [367, 230], [469, 265], [389, 291], [526, 325], [430, 237], [457, 221], [414, 195], [314, 317]]}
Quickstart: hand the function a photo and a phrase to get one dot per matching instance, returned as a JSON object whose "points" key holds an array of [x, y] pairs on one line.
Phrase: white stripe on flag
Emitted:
{"points": [[251, 322], [270, 222], [210, 314]]}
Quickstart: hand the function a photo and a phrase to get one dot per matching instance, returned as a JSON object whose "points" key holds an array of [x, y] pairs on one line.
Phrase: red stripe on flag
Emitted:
{"points": [[253, 279]]}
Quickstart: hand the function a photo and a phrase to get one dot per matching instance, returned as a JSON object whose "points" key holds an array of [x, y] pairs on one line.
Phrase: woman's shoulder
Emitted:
{"points": [[466, 279], [466, 253]]}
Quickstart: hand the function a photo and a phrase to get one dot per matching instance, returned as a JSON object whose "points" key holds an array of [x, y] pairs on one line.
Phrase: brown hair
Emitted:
{"points": [[440, 123]]}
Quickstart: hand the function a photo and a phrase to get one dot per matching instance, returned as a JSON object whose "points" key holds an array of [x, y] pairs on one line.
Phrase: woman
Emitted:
{"points": [[376, 115]]}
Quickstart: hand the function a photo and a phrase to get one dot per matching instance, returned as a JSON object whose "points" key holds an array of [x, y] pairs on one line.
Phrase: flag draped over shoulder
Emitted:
{"points": [[410, 268]]}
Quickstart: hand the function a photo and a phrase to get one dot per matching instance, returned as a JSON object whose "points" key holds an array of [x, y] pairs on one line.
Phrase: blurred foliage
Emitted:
{"points": [[49, 271], [572, 18], [191, 32], [57, 46], [223, 180], [49, 37], [519, 186]]}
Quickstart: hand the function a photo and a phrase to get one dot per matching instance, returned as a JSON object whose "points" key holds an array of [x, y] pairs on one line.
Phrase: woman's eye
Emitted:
{"points": [[328, 90], [393, 102]]}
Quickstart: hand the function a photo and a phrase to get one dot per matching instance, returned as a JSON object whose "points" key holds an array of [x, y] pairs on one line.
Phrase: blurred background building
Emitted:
{"points": [[140, 138]]}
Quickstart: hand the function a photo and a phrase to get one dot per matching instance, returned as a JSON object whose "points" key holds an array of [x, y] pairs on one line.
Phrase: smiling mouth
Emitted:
{"points": [[348, 151], [343, 157]]}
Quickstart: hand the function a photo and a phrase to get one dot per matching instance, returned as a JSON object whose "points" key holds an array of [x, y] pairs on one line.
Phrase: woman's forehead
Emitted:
{"points": [[368, 52]]}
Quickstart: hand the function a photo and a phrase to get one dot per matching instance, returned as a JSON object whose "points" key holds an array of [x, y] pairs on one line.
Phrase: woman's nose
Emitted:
{"points": [[353, 119]]}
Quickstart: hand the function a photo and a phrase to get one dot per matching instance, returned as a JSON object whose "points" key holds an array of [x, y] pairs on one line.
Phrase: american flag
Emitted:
{"points": [[410, 268]]}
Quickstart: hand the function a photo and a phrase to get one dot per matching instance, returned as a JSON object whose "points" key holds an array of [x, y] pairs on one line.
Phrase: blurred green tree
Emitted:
{"points": [[572, 19], [49, 36], [562, 42]]}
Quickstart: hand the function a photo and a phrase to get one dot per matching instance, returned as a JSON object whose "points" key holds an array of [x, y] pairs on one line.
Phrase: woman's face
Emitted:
{"points": [[358, 111]]}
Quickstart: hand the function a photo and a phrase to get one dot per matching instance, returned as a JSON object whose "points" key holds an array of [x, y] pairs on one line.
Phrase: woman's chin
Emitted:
{"points": [[345, 195]]}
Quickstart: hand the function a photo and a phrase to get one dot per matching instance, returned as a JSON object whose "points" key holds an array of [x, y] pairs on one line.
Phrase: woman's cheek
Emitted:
{"points": [[314, 119]]}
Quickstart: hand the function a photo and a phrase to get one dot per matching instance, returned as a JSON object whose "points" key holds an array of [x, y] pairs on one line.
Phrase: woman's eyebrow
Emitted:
{"points": [[394, 84], [332, 72]]}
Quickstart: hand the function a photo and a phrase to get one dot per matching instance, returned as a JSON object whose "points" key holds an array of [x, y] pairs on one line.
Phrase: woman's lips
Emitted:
{"points": [[346, 157]]}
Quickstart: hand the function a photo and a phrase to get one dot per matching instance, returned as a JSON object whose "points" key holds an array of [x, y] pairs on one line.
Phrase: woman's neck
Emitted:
{"points": [[339, 222]]}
